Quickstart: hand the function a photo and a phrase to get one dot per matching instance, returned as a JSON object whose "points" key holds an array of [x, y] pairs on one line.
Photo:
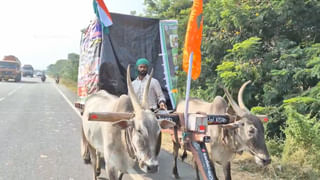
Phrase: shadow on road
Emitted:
{"points": [[21, 82], [102, 178], [28, 82]]}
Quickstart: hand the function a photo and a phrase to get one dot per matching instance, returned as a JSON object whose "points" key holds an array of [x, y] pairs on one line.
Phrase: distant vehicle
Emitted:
{"points": [[43, 77], [38, 74], [10, 68], [57, 79], [27, 70]]}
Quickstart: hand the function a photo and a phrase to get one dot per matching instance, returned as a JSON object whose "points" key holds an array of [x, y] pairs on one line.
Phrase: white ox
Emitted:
{"points": [[121, 150], [246, 134]]}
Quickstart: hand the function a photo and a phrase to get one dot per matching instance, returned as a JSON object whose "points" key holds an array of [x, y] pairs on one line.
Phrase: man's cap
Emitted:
{"points": [[142, 61]]}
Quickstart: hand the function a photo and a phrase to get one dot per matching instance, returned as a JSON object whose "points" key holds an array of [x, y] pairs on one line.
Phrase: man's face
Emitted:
{"points": [[142, 69]]}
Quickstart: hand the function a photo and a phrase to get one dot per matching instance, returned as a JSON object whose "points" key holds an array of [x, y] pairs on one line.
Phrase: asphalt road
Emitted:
{"points": [[40, 136]]}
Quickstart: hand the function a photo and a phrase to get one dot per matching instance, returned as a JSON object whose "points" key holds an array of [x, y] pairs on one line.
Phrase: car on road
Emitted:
{"points": [[27, 70], [39, 74]]}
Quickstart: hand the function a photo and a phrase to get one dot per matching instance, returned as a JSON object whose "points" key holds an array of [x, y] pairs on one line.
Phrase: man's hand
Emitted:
{"points": [[163, 106]]}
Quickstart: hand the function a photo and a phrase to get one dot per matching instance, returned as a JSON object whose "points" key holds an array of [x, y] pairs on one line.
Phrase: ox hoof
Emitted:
{"points": [[175, 176], [87, 160], [184, 156], [98, 172]]}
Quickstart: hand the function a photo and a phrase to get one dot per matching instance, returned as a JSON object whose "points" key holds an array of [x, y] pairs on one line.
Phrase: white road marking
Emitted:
{"points": [[13, 91], [10, 93], [134, 174]]}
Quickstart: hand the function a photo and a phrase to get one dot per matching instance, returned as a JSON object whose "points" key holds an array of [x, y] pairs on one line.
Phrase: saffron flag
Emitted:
{"points": [[102, 12], [193, 40]]}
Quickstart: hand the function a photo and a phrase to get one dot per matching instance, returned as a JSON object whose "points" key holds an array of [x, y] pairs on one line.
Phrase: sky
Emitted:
{"points": [[40, 32]]}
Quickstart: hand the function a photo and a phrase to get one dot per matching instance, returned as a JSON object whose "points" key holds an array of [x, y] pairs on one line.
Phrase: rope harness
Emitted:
{"points": [[128, 139]]}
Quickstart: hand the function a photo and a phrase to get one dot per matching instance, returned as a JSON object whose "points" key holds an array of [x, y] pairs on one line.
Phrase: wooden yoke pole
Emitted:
{"points": [[109, 116]]}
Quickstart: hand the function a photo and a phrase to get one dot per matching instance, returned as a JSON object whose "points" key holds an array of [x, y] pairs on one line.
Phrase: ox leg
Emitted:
{"points": [[227, 171], [175, 172], [176, 147], [98, 163], [121, 175], [112, 173], [84, 148], [184, 154], [197, 170], [94, 162]]}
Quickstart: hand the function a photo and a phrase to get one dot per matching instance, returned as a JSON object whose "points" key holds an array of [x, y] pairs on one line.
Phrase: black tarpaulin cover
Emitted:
{"points": [[129, 39]]}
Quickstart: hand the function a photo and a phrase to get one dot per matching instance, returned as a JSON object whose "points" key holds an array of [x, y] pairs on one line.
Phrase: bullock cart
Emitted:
{"points": [[104, 58]]}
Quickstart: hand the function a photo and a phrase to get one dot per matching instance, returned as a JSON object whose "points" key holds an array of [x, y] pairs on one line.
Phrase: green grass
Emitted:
{"points": [[245, 165], [277, 169], [71, 85]]}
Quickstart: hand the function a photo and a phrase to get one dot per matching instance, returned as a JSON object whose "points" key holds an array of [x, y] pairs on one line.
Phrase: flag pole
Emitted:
{"points": [[188, 91]]}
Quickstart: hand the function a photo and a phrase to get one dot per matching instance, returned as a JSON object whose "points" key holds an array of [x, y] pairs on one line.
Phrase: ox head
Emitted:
{"points": [[143, 131], [250, 131]]}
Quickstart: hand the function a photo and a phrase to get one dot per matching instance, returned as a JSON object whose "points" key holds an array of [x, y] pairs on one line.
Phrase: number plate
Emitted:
{"points": [[218, 119], [173, 118]]}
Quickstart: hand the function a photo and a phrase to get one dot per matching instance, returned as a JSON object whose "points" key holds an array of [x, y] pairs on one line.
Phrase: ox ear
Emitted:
{"points": [[165, 124], [233, 118], [263, 118], [123, 124], [230, 110]]}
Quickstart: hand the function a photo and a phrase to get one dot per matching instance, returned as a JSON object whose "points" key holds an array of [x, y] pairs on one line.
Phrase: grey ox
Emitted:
{"points": [[245, 134], [139, 142]]}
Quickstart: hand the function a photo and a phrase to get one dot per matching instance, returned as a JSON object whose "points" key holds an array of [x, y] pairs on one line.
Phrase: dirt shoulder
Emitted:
{"points": [[237, 169]]}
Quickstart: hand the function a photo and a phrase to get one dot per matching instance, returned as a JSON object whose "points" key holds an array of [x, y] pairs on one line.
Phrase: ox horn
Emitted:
{"points": [[240, 96], [133, 97], [145, 103], [233, 125], [234, 105]]}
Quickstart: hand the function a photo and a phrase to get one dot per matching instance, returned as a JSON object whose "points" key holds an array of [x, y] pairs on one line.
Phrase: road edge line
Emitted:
{"points": [[68, 101]]}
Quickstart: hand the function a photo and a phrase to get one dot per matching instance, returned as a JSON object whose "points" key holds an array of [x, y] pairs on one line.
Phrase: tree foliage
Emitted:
{"points": [[66, 68], [273, 43]]}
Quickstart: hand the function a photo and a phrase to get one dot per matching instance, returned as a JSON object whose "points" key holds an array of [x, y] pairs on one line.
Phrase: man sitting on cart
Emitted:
{"points": [[156, 96]]}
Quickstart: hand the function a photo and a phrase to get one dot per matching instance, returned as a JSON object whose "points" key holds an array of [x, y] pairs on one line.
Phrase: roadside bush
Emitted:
{"points": [[275, 146], [302, 144]]}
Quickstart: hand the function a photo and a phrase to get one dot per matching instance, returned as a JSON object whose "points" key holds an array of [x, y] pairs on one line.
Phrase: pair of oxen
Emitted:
{"points": [[135, 136]]}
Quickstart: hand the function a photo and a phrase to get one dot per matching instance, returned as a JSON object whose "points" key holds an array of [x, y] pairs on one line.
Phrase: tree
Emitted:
{"points": [[273, 43], [66, 68]]}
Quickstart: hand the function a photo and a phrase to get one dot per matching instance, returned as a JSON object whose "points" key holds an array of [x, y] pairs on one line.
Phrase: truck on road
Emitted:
{"points": [[27, 70], [10, 68]]}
